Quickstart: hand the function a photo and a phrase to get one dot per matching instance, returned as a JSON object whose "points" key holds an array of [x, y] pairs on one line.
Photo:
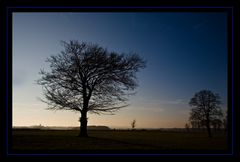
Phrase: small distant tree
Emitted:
{"points": [[205, 108], [133, 124], [217, 124], [225, 121], [196, 124], [187, 127]]}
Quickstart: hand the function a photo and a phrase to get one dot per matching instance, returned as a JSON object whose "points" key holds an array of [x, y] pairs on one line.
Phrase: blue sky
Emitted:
{"points": [[185, 52]]}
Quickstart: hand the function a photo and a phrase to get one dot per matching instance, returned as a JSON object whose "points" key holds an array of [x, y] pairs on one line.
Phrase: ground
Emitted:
{"points": [[144, 141]]}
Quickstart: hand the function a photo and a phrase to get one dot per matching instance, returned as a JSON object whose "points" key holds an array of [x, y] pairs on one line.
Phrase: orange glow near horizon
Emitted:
{"points": [[122, 119]]}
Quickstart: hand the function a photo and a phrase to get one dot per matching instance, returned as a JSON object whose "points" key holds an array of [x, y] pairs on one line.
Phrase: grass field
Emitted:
{"points": [[153, 140]]}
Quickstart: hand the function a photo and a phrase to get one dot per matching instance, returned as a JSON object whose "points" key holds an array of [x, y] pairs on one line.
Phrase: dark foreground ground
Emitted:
{"points": [[150, 141]]}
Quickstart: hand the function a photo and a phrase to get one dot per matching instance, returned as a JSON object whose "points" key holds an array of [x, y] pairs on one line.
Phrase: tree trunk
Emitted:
{"points": [[83, 125], [209, 129], [83, 118]]}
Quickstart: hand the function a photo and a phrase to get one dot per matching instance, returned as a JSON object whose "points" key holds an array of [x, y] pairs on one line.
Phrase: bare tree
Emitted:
{"points": [[196, 124], [187, 127], [133, 124], [225, 120], [85, 77], [206, 108], [217, 124]]}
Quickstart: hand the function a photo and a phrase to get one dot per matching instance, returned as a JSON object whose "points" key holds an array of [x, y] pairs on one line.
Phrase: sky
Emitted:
{"points": [[185, 51]]}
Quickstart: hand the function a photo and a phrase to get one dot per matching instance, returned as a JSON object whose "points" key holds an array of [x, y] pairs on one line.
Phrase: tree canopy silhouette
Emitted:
{"points": [[205, 108], [85, 77]]}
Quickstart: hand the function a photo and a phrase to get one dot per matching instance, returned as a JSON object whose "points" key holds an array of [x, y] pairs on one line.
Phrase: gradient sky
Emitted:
{"points": [[185, 53]]}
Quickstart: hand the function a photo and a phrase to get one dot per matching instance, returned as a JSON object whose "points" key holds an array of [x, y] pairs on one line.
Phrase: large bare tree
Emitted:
{"points": [[85, 77], [205, 108]]}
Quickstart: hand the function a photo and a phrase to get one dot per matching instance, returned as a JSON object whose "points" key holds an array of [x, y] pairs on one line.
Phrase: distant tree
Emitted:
{"points": [[217, 124], [205, 108], [225, 121], [85, 77], [196, 124], [187, 127], [133, 124]]}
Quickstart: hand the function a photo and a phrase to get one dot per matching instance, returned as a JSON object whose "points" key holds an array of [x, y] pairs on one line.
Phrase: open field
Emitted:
{"points": [[104, 141]]}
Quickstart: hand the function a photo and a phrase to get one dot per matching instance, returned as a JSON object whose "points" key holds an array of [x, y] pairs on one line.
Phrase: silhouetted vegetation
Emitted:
{"points": [[133, 124], [85, 77], [187, 127], [206, 111], [225, 121]]}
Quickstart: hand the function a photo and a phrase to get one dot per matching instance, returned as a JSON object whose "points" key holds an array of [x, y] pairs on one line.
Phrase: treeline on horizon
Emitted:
{"points": [[105, 128]]}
